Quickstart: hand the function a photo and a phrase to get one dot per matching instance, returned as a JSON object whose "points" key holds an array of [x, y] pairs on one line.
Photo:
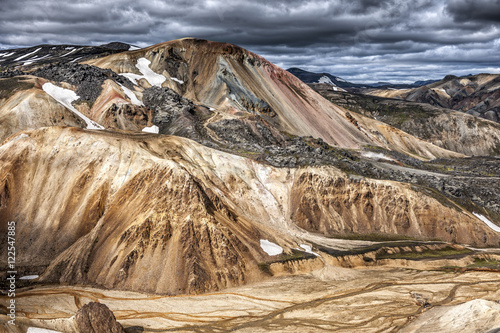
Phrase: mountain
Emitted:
{"points": [[424, 82], [335, 81], [45, 54], [246, 95], [478, 95], [446, 128], [190, 167], [327, 78]]}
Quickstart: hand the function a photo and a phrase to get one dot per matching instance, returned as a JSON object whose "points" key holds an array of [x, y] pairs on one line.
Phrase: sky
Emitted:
{"points": [[358, 40]]}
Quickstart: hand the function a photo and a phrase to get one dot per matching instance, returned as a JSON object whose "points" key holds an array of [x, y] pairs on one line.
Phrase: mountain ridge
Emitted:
{"points": [[314, 78]]}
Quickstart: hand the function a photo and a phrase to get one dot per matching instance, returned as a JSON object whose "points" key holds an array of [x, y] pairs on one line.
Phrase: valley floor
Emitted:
{"points": [[331, 299]]}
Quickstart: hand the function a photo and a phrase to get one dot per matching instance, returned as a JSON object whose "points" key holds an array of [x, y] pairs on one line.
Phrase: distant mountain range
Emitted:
{"points": [[478, 95], [311, 77]]}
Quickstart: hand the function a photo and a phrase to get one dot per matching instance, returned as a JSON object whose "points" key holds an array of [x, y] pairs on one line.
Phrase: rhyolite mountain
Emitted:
{"points": [[478, 95], [175, 168], [446, 128]]}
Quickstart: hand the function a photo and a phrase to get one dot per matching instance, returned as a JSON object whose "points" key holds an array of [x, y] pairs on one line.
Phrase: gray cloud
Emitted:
{"points": [[361, 40], [475, 10]]}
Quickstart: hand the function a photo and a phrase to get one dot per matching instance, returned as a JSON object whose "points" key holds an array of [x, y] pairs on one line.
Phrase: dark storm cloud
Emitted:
{"points": [[475, 10], [363, 40]]}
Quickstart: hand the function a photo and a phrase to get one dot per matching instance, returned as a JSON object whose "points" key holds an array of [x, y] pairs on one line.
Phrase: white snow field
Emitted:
{"points": [[307, 249], [151, 129], [153, 78], [376, 156], [270, 248], [488, 222], [66, 97], [130, 94]]}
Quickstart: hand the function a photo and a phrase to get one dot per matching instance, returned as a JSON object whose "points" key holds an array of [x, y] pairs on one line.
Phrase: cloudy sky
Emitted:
{"points": [[359, 40]]}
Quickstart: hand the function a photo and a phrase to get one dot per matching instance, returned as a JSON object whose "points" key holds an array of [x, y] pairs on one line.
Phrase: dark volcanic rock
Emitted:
{"points": [[11, 73], [174, 114], [88, 79], [118, 46], [97, 318], [167, 104], [249, 134]]}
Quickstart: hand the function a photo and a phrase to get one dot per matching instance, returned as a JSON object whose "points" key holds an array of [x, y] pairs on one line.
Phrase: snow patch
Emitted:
{"points": [[29, 277], [27, 55], [151, 129], [76, 59], [133, 48], [177, 80], [130, 94], [132, 77], [340, 79], [307, 248], [325, 79], [153, 78], [488, 222], [40, 330], [32, 60], [335, 88], [376, 156], [270, 248], [69, 52], [66, 97], [4, 55]]}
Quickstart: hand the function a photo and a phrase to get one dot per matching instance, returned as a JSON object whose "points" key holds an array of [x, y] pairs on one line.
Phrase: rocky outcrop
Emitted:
{"points": [[331, 204], [445, 128], [96, 317], [174, 114]]}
